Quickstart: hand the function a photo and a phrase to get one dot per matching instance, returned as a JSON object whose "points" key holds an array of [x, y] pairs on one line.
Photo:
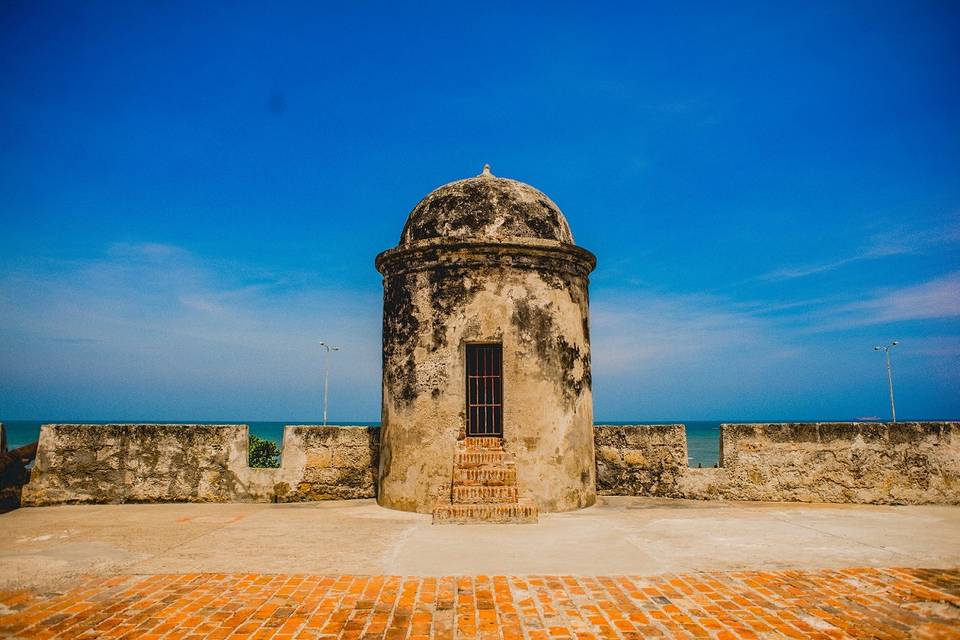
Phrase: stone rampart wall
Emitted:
{"points": [[903, 463], [329, 463], [876, 463], [139, 463], [640, 460], [83, 463], [9, 488]]}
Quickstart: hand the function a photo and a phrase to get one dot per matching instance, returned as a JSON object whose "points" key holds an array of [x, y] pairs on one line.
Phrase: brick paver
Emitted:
{"points": [[859, 603]]}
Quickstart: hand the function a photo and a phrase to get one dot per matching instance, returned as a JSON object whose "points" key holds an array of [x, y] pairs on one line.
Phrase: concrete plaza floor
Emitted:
{"points": [[51, 546], [625, 569]]}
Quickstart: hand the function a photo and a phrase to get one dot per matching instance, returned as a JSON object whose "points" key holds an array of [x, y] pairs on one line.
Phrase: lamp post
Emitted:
{"points": [[326, 376], [886, 350]]}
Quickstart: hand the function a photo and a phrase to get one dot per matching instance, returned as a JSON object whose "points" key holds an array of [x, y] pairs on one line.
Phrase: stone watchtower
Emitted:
{"points": [[486, 355]]}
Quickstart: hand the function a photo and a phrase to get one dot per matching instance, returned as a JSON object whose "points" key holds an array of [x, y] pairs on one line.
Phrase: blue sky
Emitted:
{"points": [[192, 194]]}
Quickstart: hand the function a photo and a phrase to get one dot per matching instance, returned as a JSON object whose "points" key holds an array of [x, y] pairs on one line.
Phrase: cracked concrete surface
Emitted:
{"points": [[46, 547]]}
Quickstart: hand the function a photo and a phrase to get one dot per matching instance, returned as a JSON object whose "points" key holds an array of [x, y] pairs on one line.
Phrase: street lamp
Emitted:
{"points": [[326, 376], [886, 350]]}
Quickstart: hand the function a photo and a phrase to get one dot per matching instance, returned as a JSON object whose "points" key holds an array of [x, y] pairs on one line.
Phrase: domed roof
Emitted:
{"points": [[486, 208]]}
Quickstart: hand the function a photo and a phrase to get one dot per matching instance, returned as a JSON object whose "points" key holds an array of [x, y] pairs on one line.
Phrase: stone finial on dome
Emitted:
{"points": [[486, 208]]}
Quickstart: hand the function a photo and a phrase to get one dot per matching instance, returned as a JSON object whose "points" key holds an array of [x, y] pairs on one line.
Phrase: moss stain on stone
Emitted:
{"points": [[400, 331], [558, 358]]}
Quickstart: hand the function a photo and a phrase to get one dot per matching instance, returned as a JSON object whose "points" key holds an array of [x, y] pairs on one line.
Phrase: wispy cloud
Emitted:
{"points": [[154, 331], [638, 329], [881, 245], [146, 328], [664, 355], [935, 299]]}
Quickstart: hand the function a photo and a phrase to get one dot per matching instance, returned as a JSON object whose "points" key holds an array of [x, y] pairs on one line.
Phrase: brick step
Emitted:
{"points": [[482, 443], [524, 512], [486, 476], [472, 494], [479, 458]]}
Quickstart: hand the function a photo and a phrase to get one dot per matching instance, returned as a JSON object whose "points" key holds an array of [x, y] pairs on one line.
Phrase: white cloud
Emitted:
{"points": [[154, 332], [667, 356], [936, 299], [881, 245], [149, 328], [638, 329], [663, 356]]}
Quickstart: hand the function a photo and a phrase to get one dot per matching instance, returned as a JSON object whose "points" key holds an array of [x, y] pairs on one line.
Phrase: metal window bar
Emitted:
{"points": [[484, 390]]}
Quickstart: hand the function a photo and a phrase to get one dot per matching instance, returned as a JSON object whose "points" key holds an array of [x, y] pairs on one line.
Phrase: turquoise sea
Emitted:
{"points": [[703, 438]]}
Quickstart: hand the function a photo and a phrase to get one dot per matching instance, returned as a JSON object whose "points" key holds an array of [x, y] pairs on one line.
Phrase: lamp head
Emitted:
{"points": [[895, 343], [876, 348]]}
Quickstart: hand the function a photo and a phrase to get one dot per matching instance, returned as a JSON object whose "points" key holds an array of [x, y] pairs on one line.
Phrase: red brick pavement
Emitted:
{"points": [[857, 603]]}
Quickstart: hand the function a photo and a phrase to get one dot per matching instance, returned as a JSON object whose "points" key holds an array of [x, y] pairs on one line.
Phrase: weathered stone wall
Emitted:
{"points": [[903, 463], [14, 473], [329, 463], [635, 460], [138, 463], [530, 297], [115, 463], [10, 484], [879, 463]]}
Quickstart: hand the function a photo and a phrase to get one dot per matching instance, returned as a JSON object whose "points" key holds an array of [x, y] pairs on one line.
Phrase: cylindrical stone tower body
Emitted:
{"points": [[486, 333]]}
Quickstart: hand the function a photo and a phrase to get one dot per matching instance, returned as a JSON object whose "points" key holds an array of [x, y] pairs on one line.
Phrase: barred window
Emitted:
{"points": [[485, 390]]}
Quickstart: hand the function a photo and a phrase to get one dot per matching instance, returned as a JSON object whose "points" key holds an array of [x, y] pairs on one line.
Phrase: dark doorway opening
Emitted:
{"points": [[485, 390]]}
